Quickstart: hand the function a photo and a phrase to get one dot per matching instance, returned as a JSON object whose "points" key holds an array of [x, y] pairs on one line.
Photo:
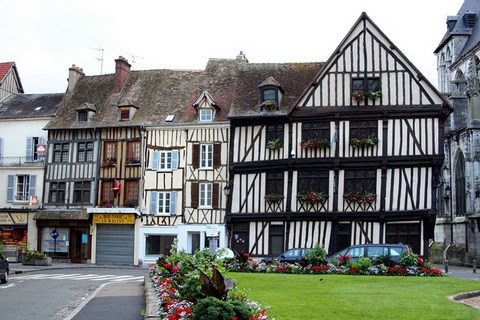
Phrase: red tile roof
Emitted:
{"points": [[4, 68]]}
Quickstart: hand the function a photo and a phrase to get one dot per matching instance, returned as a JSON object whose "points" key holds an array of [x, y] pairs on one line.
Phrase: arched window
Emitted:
{"points": [[460, 199]]}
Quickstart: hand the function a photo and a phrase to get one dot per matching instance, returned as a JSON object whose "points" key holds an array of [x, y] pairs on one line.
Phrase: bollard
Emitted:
{"points": [[474, 266], [446, 266]]}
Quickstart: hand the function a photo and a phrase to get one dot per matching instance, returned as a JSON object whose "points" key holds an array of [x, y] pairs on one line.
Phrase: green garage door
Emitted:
{"points": [[115, 244]]}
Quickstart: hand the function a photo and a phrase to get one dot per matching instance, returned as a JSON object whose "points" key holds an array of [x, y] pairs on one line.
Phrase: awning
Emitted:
{"points": [[61, 215], [114, 210]]}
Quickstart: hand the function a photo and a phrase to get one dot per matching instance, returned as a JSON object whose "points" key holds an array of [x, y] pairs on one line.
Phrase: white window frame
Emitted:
{"points": [[21, 193], [206, 156], [163, 203], [205, 115], [206, 195], [165, 160]]}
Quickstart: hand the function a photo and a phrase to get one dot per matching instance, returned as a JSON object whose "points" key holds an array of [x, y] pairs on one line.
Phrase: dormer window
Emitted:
{"points": [[206, 107], [206, 115], [126, 110], [124, 113], [270, 95], [85, 112], [82, 116]]}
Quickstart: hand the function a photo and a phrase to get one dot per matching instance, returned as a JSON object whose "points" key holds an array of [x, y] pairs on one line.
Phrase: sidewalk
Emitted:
{"points": [[111, 301]]}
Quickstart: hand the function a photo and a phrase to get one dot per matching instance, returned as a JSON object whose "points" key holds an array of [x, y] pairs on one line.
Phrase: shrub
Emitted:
{"points": [[213, 309], [316, 256]]}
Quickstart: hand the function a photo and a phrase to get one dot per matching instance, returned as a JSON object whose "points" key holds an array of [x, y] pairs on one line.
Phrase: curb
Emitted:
{"points": [[151, 304], [462, 297]]}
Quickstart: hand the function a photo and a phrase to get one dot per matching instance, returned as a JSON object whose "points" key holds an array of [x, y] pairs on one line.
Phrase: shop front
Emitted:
{"points": [[114, 235], [14, 232], [65, 235]]}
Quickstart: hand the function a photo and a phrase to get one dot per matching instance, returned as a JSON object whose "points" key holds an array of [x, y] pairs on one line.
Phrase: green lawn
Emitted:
{"points": [[293, 296]]}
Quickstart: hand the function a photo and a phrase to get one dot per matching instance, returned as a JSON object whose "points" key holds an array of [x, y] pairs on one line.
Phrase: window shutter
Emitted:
{"points": [[29, 152], [195, 195], [217, 155], [175, 156], [10, 187], [153, 202], [155, 160], [1, 148], [196, 156], [173, 203], [33, 185], [216, 196], [41, 140]]}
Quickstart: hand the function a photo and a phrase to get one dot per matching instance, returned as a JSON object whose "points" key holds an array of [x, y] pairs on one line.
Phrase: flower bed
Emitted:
{"points": [[410, 264], [193, 287]]}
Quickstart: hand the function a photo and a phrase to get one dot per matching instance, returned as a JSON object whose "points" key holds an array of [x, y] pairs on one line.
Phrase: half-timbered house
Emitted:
{"points": [[186, 159], [336, 154], [458, 65]]}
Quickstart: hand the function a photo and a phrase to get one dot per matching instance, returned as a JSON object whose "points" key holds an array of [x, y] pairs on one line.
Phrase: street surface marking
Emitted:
{"points": [[77, 277]]}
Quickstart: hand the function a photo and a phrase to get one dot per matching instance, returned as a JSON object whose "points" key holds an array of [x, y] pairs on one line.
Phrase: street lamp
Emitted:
{"points": [[226, 190]]}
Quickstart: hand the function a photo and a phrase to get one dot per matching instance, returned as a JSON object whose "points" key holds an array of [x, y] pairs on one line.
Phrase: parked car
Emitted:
{"points": [[372, 251], [4, 268], [289, 256]]}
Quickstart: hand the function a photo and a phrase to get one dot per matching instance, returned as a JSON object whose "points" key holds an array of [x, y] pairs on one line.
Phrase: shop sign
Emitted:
{"points": [[212, 230], [113, 218], [13, 218]]}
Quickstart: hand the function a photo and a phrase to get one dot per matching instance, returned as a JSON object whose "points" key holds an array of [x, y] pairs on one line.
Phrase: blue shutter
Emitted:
{"points": [[10, 187], [173, 203], [155, 160], [29, 152], [153, 202], [174, 159], [33, 182]]}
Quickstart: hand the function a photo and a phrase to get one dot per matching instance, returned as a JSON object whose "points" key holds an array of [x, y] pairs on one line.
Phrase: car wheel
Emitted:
{"points": [[5, 277]]}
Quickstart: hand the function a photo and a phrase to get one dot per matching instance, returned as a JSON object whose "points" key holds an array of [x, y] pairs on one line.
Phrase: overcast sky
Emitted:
{"points": [[45, 37]]}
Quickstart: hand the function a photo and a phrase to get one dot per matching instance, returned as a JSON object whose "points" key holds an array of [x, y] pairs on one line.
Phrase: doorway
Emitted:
{"points": [[79, 245]]}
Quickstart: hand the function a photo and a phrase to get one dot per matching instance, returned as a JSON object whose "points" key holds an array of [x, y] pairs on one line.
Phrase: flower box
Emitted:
{"points": [[29, 262], [360, 197], [268, 106], [366, 141], [274, 144], [274, 198], [109, 163], [311, 197], [315, 143], [43, 262]]}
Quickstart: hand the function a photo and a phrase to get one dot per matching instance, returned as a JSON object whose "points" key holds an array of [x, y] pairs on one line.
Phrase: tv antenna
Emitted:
{"points": [[134, 57], [100, 51]]}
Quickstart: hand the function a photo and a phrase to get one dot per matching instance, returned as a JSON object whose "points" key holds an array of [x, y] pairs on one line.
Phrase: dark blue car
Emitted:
{"points": [[4, 268], [289, 256]]}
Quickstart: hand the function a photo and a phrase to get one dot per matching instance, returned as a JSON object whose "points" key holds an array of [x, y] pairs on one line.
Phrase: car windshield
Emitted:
{"points": [[356, 252], [395, 251], [293, 253]]}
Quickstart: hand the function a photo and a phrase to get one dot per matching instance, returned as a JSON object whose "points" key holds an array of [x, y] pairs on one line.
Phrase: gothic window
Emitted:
{"points": [[460, 199]]}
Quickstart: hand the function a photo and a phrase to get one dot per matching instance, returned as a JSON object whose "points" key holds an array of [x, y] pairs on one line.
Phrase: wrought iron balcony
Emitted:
{"points": [[21, 162]]}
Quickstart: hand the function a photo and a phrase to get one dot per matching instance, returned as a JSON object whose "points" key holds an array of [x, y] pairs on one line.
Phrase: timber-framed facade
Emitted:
{"points": [[359, 157]]}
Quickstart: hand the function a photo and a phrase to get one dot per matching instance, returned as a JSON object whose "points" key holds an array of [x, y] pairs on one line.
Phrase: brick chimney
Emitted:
{"points": [[122, 69], [74, 74]]}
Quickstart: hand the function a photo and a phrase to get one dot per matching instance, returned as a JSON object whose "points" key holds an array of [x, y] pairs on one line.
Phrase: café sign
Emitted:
{"points": [[106, 218], [13, 218]]}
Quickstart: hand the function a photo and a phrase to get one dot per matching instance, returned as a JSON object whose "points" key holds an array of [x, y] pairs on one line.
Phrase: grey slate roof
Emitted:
{"points": [[155, 93], [30, 105], [293, 78], [232, 83], [460, 27]]}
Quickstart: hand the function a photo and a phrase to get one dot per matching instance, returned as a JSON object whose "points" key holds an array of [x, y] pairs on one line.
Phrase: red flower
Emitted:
{"points": [[420, 261]]}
